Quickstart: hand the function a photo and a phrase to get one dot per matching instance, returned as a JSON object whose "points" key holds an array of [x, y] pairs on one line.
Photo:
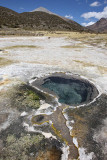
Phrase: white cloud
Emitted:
{"points": [[87, 24], [97, 15], [69, 16], [95, 4]]}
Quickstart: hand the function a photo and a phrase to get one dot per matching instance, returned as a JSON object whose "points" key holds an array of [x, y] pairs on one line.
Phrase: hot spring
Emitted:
{"points": [[70, 90]]}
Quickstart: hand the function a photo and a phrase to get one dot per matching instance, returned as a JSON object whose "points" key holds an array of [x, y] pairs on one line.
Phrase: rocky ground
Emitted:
{"points": [[23, 59]]}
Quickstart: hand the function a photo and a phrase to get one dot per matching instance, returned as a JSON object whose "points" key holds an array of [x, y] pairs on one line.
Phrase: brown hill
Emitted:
{"points": [[99, 26], [45, 21], [36, 20], [42, 9]]}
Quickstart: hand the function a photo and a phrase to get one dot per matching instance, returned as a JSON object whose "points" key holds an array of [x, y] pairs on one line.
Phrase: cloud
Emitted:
{"points": [[69, 16], [95, 4], [87, 24], [97, 15]]}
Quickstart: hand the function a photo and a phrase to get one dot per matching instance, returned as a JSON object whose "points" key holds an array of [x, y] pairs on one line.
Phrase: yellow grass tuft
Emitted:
{"points": [[5, 62]]}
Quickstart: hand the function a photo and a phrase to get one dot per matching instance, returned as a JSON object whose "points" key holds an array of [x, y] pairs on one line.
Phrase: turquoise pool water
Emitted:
{"points": [[69, 92]]}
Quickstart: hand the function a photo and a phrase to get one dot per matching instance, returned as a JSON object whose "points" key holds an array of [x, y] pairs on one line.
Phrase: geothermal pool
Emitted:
{"points": [[68, 89], [68, 92]]}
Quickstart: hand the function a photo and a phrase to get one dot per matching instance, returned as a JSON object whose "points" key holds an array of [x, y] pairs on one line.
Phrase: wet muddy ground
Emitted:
{"points": [[85, 122]]}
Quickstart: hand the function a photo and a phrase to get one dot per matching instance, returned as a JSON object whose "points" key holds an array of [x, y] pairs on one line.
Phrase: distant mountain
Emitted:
{"points": [[42, 9], [39, 19], [99, 26]]}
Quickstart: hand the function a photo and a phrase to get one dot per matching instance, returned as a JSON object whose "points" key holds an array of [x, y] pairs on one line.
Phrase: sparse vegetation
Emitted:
{"points": [[5, 62], [73, 46], [21, 46], [102, 69], [24, 97], [22, 148], [90, 39]]}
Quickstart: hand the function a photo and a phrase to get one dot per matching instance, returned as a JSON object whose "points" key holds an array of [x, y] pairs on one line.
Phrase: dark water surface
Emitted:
{"points": [[68, 91]]}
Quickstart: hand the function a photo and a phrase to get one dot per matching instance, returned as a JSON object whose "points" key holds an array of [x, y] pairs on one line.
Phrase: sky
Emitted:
{"points": [[85, 12]]}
